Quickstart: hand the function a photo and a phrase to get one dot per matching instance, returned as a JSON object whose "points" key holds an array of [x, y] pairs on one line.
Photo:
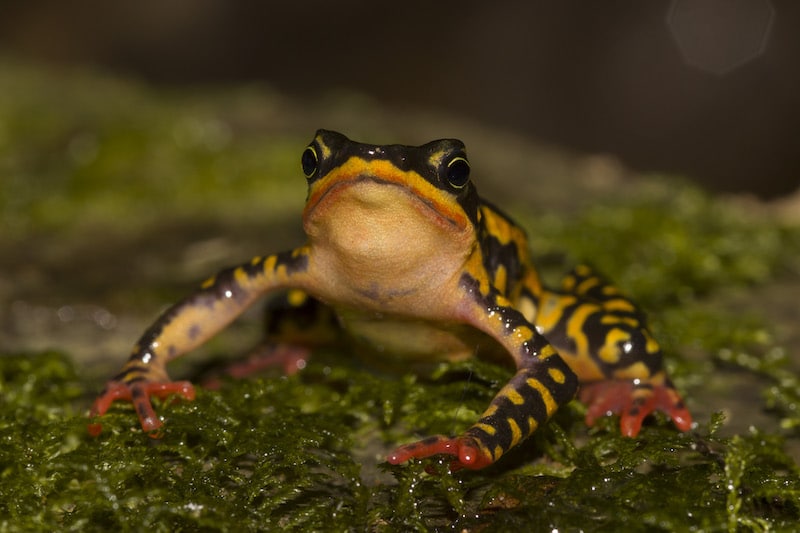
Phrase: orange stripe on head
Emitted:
{"points": [[358, 170]]}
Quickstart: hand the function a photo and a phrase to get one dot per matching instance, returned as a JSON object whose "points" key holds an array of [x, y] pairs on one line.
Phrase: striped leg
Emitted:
{"points": [[604, 338], [187, 325], [542, 384]]}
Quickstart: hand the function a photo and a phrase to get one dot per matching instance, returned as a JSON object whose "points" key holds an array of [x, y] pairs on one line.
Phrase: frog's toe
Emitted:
{"points": [[290, 358], [466, 450], [438, 444], [669, 401], [138, 393], [633, 402]]}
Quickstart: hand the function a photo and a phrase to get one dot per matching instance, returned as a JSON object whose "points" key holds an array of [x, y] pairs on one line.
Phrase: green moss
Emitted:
{"points": [[110, 153], [278, 452], [669, 243]]}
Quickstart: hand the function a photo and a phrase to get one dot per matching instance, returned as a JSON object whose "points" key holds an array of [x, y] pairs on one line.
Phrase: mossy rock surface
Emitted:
{"points": [[118, 198]]}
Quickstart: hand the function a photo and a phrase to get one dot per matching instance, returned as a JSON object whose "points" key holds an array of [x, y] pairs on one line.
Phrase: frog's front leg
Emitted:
{"points": [[543, 382], [188, 324]]}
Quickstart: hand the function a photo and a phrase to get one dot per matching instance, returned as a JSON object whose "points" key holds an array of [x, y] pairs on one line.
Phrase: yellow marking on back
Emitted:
{"points": [[585, 366], [637, 370], [619, 304], [659, 378], [551, 309], [531, 280], [610, 351], [527, 308], [613, 319], [575, 326], [474, 267], [587, 284], [499, 228], [501, 279], [651, 344]]}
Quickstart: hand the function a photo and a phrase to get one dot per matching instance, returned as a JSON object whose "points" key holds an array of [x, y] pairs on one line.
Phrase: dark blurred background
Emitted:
{"points": [[705, 88]]}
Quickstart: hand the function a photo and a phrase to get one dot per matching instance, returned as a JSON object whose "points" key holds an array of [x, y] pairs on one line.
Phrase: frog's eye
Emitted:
{"points": [[310, 161], [458, 172]]}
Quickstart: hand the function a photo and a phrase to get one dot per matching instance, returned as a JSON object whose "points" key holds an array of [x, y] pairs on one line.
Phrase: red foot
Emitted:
{"points": [[138, 394], [466, 451], [291, 358], [633, 404]]}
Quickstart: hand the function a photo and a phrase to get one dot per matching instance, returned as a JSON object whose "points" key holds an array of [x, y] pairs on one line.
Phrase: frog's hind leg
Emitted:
{"points": [[634, 400], [604, 338], [295, 324]]}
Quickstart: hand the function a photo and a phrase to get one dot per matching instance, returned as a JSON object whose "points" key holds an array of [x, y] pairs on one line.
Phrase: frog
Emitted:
{"points": [[403, 257]]}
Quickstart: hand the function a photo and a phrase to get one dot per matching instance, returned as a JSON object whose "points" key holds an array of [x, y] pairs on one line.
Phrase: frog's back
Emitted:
{"points": [[505, 250]]}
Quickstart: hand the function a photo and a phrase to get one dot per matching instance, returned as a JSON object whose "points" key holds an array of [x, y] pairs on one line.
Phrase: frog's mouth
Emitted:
{"points": [[383, 193], [376, 199]]}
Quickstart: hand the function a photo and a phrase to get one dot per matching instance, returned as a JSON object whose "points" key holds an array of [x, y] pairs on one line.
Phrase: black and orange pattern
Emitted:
{"points": [[403, 250]]}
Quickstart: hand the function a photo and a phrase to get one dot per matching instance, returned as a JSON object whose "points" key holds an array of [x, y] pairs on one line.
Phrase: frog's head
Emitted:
{"points": [[389, 205]]}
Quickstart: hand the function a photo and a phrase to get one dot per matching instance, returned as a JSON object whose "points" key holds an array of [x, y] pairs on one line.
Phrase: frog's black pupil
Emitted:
{"points": [[458, 172], [309, 161]]}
